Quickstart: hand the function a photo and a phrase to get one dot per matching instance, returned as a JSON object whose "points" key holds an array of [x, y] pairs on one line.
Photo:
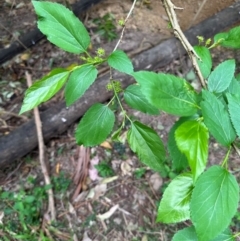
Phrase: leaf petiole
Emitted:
{"points": [[225, 161]]}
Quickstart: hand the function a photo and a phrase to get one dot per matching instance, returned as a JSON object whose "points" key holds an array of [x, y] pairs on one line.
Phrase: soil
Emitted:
{"points": [[127, 199]]}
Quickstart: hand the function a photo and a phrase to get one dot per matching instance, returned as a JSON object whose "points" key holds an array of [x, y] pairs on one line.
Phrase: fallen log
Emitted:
{"points": [[31, 38], [57, 119]]}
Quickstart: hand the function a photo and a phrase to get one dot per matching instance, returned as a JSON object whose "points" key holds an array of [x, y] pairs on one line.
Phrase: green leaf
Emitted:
{"points": [[120, 61], [237, 77], [61, 27], [186, 234], [221, 77], [234, 87], [29, 199], [147, 144], [189, 234], [179, 160], [95, 125], [167, 92], [134, 98], [174, 206], [230, 39], [216, 119], [79, 81], [192, 140], [205, 64], [234, 110], [42, 90], [225, 236], [214, 202]]}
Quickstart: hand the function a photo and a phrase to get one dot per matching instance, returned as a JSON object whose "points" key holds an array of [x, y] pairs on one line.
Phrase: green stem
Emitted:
{"points": [[225, 161], [235, 235], [113, 98], [120, 104]]}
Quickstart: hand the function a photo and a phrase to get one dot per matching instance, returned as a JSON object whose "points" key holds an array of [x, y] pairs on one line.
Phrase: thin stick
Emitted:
{"points": [[236, 149], [51, 207], [170, 9], [16, 38], [124, 26], [198, 12]]}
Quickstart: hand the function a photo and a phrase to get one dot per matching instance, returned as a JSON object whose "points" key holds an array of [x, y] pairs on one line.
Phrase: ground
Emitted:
{"points": [[122, 206]]}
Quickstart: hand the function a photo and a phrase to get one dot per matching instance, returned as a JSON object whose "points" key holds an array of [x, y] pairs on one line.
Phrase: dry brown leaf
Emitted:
{"points": [[126, 168], [106, 145], [156, 181], [109, 213]]}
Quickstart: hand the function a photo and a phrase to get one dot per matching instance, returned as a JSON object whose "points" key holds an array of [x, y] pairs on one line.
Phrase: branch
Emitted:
{"points": [[170, 9], [124, 26], [51, 207]]}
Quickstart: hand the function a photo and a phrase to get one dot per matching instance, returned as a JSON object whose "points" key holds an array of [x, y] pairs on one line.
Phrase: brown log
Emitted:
{"points": [[31, 38], [57, 119]]}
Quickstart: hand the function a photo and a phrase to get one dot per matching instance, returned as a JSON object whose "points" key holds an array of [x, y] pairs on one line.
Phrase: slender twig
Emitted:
{"points": [[198, 12], [124, 26], [16, 38], [170, 9], [2, 112], [236, 149], [51, 207]]}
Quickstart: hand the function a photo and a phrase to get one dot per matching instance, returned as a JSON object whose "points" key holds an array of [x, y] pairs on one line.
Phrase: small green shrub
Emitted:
{"points": [[208, 196], [106, 27]]}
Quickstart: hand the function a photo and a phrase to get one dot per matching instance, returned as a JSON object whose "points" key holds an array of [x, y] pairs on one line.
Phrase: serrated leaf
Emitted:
{"points": [[179, 160], [216, 119], [189, 234], [205, 64], [214, 202], [120, 61], [192, 140], [167, 92], [61, 27], [221, 77], [174, 206], [230, 39], [234, 87], [43, 89], [79, 81], [134, 98], [95, 126], [234, 110], [147, 144], [186, 234]]}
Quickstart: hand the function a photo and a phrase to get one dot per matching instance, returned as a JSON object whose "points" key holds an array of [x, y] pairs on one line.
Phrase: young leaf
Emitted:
{"points": [[205, 64], [174, 206], [221, 77], [147, 144], [179, 160], [78, 82], [167, 92], [44, 89], [230, 39], [61, 27], [217, 119], [189, 234], [214, 202], [95, 125], [192, 140], [120, 61], [134, 98], [234, 110]]}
